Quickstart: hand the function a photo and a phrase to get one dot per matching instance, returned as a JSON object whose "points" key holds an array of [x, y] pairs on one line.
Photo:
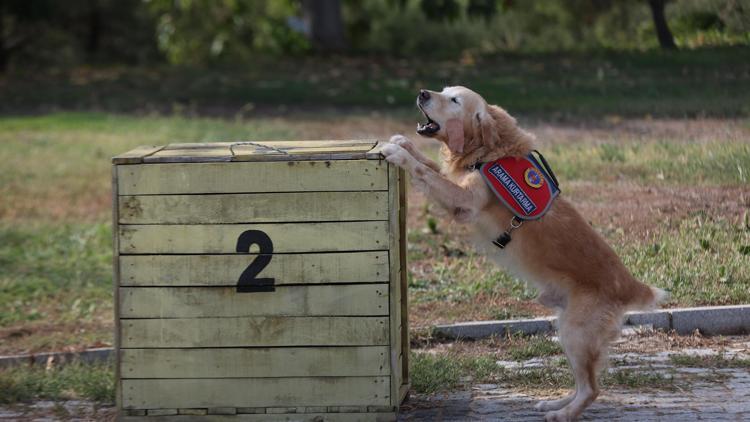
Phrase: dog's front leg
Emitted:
{"points": [[409, 146], [463, 204]]}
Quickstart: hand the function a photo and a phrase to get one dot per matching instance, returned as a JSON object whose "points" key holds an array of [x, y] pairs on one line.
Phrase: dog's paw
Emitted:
{"points": [[396, 154], [542, 406], [547, 405], [402, 141], [557, 416]]}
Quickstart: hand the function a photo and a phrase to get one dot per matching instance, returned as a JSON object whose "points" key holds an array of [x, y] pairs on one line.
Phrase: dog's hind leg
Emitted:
{"points": [[585, 337]]}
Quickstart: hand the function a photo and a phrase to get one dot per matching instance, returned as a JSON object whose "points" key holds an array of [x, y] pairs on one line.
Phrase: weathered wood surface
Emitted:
{"points": [[256, 362], [197, 302], [404, 287], [254, 331], [224, 270], [258, 150], [136, 155], [253, 208], [286, 237], [241, 177], [255, 392], [281, 145], [116, 283], [278, 417], [395, 291]]}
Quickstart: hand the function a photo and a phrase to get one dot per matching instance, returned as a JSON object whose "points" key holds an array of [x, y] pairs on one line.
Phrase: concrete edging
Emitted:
{"points": [[709, 320], [86, 356]]}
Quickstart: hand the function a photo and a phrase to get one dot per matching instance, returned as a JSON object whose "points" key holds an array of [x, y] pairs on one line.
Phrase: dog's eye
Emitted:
{"points": [[455, 100]]}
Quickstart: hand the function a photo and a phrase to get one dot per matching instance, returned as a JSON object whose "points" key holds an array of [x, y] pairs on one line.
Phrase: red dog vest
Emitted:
{"points": [[522, 185]]}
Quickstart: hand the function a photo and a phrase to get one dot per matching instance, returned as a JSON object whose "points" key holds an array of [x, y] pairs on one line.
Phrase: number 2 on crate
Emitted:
{"points": [[249, 281]]}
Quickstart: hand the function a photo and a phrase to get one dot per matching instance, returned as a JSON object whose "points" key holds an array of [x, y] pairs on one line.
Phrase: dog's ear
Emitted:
{"points": [[455, 130], [493, 125], [484, 127]]}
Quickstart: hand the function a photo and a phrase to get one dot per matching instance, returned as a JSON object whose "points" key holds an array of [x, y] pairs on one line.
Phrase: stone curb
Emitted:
{"points": [[86, 356], [709, 320]]}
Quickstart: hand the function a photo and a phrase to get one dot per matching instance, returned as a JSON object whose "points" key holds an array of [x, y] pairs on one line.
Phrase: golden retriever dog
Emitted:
{"points": [[576, 272]]}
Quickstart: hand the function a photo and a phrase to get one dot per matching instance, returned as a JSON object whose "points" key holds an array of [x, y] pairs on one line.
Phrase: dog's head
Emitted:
{"points": [[461, 118]]}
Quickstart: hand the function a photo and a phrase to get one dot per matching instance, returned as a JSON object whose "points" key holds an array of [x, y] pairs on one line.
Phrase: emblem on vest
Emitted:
{"points": [[533, 178]]}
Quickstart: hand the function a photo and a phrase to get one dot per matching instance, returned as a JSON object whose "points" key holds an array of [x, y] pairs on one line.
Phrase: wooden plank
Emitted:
{"points": [[254, 331], [255, 392], [230, 151], [394, 289], [253, 208], [328, 149], [241, 177], [198, 302], [276, 144], [404, 283], [270, 417], [116, 283], [222, 238], [256, 362], [225, 270], [300, 157], [190, 156], [136, 155]]}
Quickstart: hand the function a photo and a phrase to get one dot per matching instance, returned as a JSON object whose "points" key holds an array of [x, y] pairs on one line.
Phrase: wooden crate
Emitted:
{"points": [[261, 280]]}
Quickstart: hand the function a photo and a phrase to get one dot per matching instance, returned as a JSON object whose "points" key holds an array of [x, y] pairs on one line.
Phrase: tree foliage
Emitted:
{"points": [[47, 32]]}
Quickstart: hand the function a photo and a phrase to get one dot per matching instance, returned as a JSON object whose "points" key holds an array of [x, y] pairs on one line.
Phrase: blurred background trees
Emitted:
{"points": [[56, 33]]}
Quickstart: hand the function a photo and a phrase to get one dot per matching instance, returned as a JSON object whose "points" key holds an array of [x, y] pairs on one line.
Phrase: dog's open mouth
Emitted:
{"points": [[427, 129]]}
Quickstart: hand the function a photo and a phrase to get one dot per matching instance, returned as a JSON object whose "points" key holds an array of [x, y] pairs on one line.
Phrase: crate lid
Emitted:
{"points": [[253, 151]]}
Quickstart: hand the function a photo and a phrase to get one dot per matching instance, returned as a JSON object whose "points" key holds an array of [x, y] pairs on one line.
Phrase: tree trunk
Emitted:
{"points": [[95, 27], [326, 24], [3, 51], [666, 40]]}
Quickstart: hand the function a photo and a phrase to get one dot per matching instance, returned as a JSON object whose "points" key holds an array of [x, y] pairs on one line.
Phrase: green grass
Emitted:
{"points": [[697, 82], [703, 261], [441, 372], [639, 379], [674, 162], [445, 371], [71, 381], [718, 361], [521, 348], [54, 271], [459, 276]]}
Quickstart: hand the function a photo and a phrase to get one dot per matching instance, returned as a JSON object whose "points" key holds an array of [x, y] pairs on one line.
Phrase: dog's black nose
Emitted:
{"points": [[424, 95]]}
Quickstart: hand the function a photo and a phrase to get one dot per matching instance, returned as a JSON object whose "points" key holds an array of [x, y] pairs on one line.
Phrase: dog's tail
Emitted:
{"points": [[647, 297]]}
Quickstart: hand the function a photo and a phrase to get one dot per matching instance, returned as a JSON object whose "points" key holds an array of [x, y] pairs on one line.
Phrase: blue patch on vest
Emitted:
{"points": [[516, 192]]}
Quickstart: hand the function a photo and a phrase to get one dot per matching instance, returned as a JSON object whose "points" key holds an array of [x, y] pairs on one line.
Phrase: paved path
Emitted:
{"points": [[698, 394], [714, 401]]}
